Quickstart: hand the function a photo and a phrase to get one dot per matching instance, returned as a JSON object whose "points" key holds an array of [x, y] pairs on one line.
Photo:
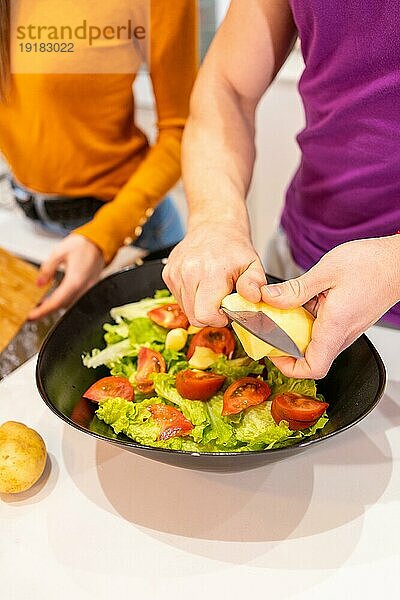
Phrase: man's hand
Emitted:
{"points": [[205, 267], [352, 286], [83, 263]]}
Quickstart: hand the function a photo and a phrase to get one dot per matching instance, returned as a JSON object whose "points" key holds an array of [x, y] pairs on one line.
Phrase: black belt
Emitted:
{"points": [[59, 209]]}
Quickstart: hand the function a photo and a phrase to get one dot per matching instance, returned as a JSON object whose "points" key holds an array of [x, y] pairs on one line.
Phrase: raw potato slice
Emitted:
{"points": [[297, 322], [176, 339], [192, 329], [203, 358]]}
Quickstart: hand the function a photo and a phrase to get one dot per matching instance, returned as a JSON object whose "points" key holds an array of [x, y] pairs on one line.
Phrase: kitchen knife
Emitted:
{"points": [[260, 325]]}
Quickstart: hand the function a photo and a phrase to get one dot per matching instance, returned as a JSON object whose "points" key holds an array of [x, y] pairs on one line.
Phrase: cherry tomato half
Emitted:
{"points": [[169, 316], [110, 387], [83, 412], [198, 385], [172, 422], [219, 339], [149, 361], [295, 407], [293, 425], [243, 393]]}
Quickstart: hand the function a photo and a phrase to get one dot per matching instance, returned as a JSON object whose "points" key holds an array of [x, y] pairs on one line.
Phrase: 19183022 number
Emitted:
{"points": [[47, 47]]}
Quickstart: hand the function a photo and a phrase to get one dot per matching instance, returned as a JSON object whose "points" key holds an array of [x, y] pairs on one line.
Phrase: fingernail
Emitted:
{"points": [[274, 290]]}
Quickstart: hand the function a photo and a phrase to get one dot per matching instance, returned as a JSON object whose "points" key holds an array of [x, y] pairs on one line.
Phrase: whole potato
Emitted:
{"points": [[22, 457], [297, 322]]}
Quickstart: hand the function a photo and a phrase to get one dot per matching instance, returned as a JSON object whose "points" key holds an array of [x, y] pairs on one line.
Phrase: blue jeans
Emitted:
{"points": [[163, 229]]}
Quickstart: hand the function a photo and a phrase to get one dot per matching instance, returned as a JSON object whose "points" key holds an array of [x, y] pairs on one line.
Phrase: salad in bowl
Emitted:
{"points": [[174, 386]]}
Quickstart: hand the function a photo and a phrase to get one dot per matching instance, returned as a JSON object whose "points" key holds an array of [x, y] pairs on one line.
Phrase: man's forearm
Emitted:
{"points": [[218, 155], [218, 144]]}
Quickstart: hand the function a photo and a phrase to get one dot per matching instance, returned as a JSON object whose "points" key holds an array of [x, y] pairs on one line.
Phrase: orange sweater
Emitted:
{"points": [[75, 134]]}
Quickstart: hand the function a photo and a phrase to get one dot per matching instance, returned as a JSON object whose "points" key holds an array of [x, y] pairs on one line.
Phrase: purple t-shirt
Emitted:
{"points": [[348, 184]]}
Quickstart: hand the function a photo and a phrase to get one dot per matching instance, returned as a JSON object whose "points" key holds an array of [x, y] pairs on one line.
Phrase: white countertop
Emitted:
{"points": [[106, 523], [23, 238]]}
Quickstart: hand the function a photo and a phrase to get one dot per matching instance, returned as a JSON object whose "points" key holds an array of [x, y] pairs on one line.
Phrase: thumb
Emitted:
{"points": [[296, 292], [251, 280]]}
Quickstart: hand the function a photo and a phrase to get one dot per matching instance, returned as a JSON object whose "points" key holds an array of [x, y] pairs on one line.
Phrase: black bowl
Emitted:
{"points": [[353, 386]]}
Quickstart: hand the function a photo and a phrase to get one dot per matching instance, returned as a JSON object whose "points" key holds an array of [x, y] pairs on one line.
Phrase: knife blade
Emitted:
{"points": [[263, 327]]}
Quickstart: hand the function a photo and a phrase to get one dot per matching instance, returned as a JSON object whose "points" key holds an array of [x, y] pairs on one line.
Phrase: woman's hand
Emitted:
{"points": [[352, 286], [207, 265], [83, 263]]}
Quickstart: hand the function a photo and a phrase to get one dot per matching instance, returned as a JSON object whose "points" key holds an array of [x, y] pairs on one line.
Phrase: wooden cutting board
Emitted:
{"points": [[18, 295]]}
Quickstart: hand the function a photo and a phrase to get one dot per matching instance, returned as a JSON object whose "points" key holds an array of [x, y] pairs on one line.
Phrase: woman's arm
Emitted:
{"points": [[173, 70], [173, 67]]}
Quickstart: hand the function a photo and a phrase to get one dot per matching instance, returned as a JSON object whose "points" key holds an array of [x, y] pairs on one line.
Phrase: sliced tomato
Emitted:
{"points": [[296, 407], [219, 339], [198, 385], [83, 412], [293, 425], [243, 393], [110, 387], [173, 423], [169, 316], [149, 361]]}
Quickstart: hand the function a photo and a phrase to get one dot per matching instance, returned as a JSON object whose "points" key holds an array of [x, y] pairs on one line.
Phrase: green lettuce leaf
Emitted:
{"points": [[131, 418], [220, 431], [145, 332], [194, 410], [125, 367], [115, 333], [258, 427], [134, 420], [138, 309], [236, 368], [280, 383], [110, 354], [184, 443], [164, 293], [210, 427], [175, 361], [298, 436]]}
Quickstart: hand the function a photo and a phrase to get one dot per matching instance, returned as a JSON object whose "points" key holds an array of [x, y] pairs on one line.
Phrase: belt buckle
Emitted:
{"points": [[20, 194]]}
